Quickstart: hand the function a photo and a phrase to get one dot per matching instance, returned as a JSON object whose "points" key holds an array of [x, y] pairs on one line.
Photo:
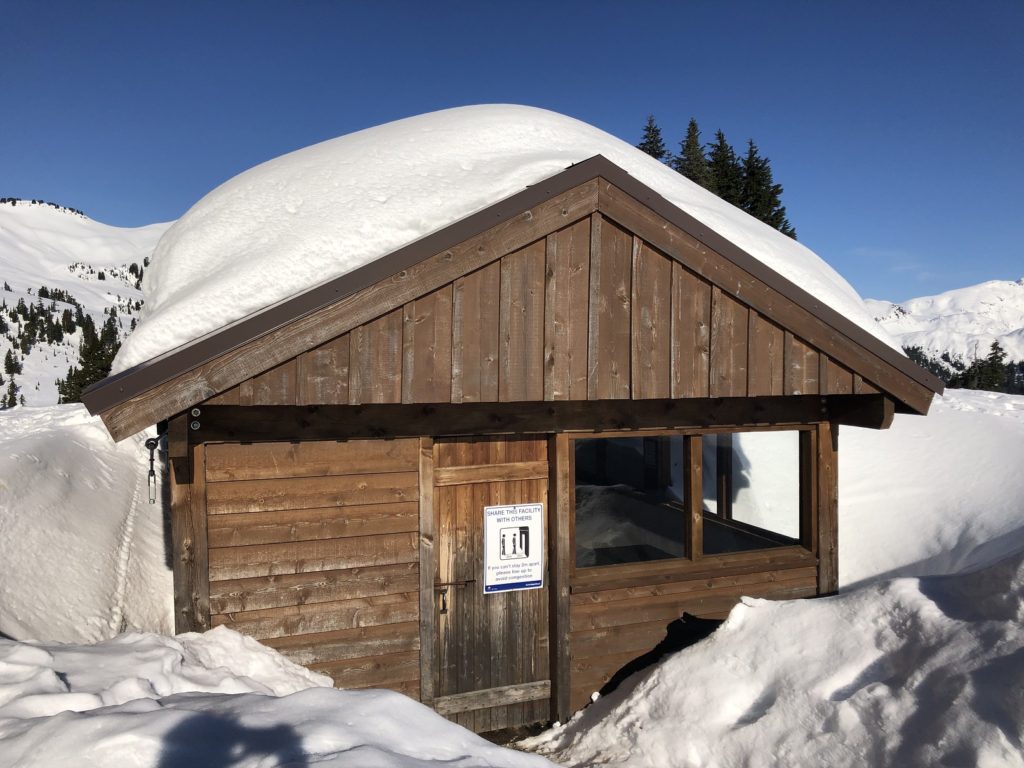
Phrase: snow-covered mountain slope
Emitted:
{"points": [[68, 253], [963, 322]]}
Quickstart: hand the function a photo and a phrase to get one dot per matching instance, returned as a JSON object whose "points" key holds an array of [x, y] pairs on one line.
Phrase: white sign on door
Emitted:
{"points": [[513, 547]]}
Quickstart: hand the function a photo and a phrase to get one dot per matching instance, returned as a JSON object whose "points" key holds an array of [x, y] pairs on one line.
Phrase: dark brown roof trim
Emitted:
{"points": [[115, 390]]}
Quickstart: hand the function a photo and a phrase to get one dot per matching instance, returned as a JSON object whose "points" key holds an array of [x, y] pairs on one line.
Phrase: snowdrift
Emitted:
{"points": [[82, 552], [218, 700], [903, 673]]}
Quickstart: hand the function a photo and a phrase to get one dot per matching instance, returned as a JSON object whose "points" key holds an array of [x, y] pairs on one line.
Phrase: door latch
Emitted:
{"points": [[442, 587]]}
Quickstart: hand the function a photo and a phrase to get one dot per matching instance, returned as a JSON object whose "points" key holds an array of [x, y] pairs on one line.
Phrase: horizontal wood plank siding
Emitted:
{"points": [[612, 627], [314, 549]]}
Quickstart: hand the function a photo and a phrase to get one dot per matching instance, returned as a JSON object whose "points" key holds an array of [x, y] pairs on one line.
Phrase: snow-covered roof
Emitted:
{"points": [[321, 212]]}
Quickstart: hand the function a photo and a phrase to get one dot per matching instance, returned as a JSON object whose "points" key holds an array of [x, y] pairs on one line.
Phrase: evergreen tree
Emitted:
{"points": [[919, 356], [11, 363], [691, 161], [761, 196], [726, 173], [652, 143], [10, 399], [95, 356], [988, 373]]}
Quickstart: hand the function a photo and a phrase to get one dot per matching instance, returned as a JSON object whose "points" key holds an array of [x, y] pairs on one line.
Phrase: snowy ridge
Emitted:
{"points": [[963, 322], [62, 249], [294, 222]]}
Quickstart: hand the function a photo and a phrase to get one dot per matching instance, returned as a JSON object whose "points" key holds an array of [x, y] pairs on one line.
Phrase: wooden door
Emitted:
{"points": [[491, 666]]}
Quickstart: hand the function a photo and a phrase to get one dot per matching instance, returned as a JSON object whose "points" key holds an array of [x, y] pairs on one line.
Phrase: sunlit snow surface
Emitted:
{"points": [[211, 701], [904, 672], [320, 212]]}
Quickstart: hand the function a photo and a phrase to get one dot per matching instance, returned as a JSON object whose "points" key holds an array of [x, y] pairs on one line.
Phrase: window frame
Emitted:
{"points": [[694, 562]]}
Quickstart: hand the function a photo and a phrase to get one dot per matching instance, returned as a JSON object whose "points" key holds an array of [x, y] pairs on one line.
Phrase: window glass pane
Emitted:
{"points": [[629, 500], [751, 491]]}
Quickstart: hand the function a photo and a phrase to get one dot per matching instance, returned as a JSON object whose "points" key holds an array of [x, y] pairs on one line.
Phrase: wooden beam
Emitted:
{"points": [[233, 423], [560, 558], [693, 453], [492, 697], [872, 411], [828, 508], [428, 615], [189, 554]]}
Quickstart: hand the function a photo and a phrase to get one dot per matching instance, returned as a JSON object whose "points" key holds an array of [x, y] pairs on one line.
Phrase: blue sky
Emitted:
{"points": [[895, 128]]}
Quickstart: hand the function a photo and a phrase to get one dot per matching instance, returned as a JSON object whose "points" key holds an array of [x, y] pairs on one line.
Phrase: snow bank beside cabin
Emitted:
{"points": [[320, 212], [216, 699], [902, 673], [82, 551], [930, 495]]}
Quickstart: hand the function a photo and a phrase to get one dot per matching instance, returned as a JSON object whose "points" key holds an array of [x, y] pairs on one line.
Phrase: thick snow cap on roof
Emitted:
{"points": [[320, 212]]}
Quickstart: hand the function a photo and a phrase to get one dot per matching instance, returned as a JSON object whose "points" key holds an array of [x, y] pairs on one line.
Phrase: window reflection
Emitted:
{"points": [[751, 491], [629, 500]]}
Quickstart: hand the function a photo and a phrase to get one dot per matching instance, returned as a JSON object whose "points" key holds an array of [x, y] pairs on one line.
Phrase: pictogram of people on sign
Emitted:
{"points": [[515, 543]]}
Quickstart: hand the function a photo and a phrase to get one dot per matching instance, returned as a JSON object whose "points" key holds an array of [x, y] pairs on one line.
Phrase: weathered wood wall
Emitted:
{"points": [[590, 312], [313, 550]]}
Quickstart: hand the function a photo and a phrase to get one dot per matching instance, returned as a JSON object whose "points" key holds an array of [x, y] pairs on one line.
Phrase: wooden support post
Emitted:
{"points": [[694, 461], [428, 614], [723, 479], [808, 490], [560, 558], [828, 507], [190, 559]]}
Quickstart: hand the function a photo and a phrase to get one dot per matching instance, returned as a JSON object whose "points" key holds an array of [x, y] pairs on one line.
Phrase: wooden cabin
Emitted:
{"points": [[490, 468]]}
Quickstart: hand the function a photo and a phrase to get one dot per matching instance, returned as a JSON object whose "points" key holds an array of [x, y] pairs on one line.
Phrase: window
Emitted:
{"points": [[629, 500], [632, 501]]}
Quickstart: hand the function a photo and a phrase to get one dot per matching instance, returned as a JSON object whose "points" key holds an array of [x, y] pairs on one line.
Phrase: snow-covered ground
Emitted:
{"points": [[211, 701], [963, 322], [910, 671]]}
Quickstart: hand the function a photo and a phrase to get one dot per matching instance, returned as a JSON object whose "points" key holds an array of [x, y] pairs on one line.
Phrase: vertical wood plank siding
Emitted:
{"points": [[314, 550], [567, 289], [475, 336], [610, 301], [589, 312]]}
